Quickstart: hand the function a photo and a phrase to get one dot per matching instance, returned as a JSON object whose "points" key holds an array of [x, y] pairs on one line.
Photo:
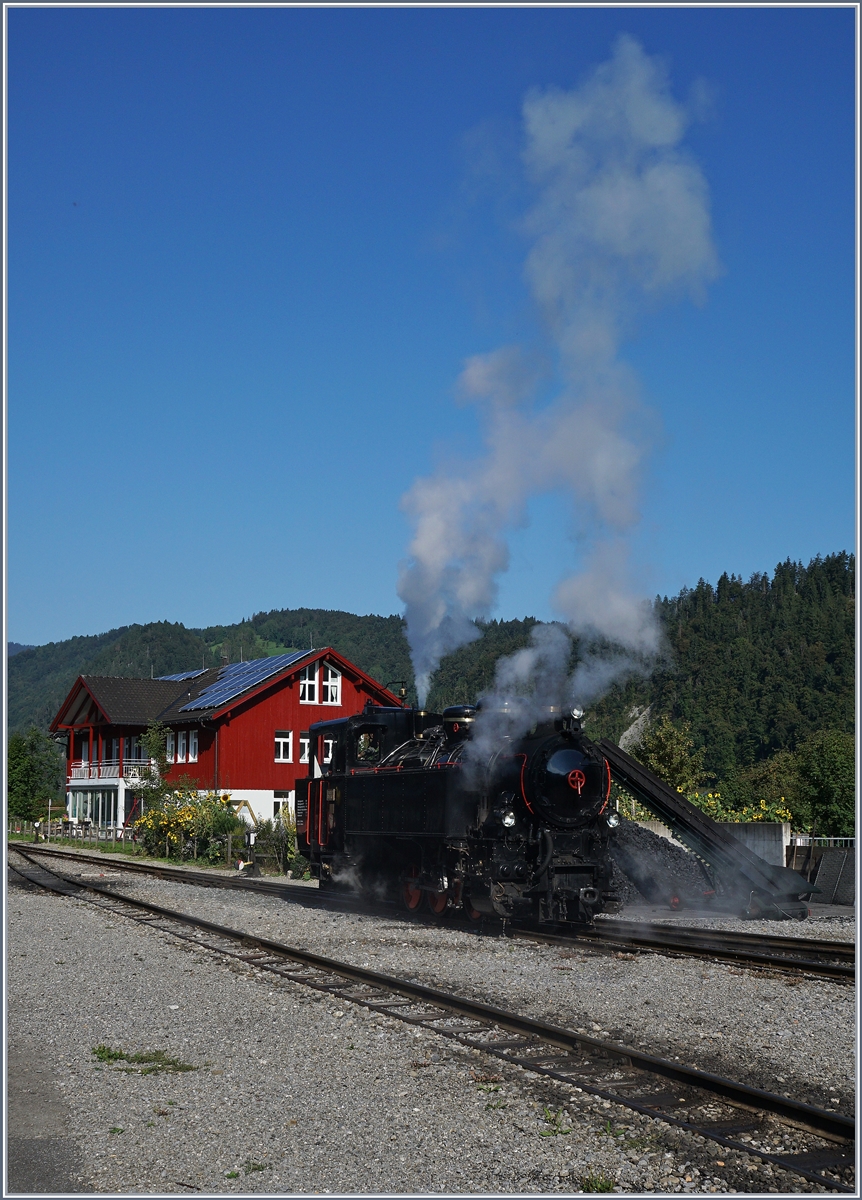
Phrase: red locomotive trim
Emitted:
{"points": [[608, 789], [523, 759]]}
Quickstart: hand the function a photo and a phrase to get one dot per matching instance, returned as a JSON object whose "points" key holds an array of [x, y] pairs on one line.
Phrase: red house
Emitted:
{"points": [[239, 729]]}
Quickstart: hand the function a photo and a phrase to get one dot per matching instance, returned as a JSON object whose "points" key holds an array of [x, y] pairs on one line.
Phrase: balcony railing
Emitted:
{"points": [[109, 769]]}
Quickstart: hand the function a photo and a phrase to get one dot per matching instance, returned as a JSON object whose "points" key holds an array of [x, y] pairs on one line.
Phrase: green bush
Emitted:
{"points": [[278, 839], [826, 767], [185, 824]]}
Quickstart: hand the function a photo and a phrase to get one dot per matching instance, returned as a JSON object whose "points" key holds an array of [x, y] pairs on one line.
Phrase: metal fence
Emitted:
{"points": [[804, 839], [83, 831]]}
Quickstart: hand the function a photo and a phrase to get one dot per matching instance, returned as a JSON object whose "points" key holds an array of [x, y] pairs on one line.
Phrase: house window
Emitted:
{"points": [[181, 747], [304, 746], [193, 745], [328, 747], [281, 802], [171, 747], [283, 746], [308, 685], [133, 749], [330, 687]]}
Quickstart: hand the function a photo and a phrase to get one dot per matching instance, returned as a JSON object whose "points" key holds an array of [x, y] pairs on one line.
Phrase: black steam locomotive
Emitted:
{"points": [[398, 801]]}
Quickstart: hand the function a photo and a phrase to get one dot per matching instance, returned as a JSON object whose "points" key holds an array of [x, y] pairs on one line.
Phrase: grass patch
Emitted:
{"points": [[555, 1121], [255, 1166], [597, 1182], [115, 1129], [638, 1143], [232, 1175], [148, 1062]]}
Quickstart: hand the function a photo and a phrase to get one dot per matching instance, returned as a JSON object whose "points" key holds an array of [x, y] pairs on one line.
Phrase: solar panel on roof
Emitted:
{"points": [[183, 675], [236, 678], [232, 668]]}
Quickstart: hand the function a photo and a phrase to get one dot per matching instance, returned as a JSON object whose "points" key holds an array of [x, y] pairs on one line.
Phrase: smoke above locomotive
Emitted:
{"points": [[620, 222]]}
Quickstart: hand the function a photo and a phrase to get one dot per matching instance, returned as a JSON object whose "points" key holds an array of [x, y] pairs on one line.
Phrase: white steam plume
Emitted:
{"points": [[621, 221]]}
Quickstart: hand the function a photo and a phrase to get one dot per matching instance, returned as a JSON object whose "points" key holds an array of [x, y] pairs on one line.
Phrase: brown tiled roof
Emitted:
{"points": [[133, 701], [139, 701]]}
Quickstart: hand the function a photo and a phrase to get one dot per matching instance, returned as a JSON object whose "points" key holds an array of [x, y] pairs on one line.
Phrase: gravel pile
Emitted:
{"points": [[293, 1092]]}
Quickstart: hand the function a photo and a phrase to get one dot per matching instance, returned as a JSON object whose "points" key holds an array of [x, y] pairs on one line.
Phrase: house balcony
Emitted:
{"points": [[108, 769]]}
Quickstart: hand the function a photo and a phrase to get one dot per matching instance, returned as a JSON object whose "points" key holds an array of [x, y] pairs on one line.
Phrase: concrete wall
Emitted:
{"points": [[768, 840]]}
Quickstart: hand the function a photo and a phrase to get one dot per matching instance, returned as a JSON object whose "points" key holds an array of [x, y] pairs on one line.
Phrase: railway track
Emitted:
{"points": [[715, 1107], [818, 958]]}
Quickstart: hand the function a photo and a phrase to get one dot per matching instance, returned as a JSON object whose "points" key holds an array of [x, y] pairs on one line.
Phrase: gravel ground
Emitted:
{"points": [[293, 1092]]}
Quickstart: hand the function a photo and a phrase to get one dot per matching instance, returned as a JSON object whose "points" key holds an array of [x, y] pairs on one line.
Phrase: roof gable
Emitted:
{"points": [[120, 700]]}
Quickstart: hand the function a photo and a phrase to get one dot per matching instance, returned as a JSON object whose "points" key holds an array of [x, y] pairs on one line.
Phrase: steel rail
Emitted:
{"points": [[623, 934], [199, 876], [588, 1054], [776, 941], [711, 946]]}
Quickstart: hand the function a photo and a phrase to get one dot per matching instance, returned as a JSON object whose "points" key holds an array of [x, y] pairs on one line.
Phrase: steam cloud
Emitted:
{"points": [[621, 221]]}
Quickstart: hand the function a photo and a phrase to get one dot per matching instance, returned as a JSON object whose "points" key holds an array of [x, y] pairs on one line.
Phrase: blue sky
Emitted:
{"points": [[250, 251]]}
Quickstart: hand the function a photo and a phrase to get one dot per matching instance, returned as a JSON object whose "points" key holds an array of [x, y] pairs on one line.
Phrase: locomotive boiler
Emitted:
{"points": [[402, 802]]}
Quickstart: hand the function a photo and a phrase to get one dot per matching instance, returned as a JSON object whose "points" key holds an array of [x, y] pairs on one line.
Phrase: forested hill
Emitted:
{"points": [[40, 678], [754, 667]]}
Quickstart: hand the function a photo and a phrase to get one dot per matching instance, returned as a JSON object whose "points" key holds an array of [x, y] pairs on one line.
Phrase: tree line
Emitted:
{"points": [[753, 672]]}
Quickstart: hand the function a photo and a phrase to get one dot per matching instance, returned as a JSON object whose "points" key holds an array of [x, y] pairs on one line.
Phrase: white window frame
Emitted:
{"points": [[308, 684], [182, 740], [193, 745], [330, 685], [305, 746], [284, 738], [171, 746], [328, 749], [281, 803]]}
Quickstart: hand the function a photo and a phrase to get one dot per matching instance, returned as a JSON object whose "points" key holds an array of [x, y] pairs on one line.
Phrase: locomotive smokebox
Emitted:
{"points": [[458, 721]]}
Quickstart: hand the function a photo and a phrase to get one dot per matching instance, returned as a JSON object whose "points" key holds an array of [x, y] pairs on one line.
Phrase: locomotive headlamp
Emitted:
{"points": [[508, 818], [577, 713], [613, 819]]}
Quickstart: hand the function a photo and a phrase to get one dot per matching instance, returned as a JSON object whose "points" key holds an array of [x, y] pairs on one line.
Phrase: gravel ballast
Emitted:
{"points": [[294, 1092]]}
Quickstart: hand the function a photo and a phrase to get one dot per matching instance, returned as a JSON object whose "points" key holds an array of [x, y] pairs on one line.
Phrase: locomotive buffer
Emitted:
{"points": [[759, 887]]}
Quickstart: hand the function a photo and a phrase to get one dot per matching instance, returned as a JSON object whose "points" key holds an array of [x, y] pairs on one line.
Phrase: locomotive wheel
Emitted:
{"points": [[472, 914], [412, 892], [437, 902]]}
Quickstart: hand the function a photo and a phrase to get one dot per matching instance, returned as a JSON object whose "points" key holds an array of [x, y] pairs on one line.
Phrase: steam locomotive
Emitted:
{"points": [[399, 802]]}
